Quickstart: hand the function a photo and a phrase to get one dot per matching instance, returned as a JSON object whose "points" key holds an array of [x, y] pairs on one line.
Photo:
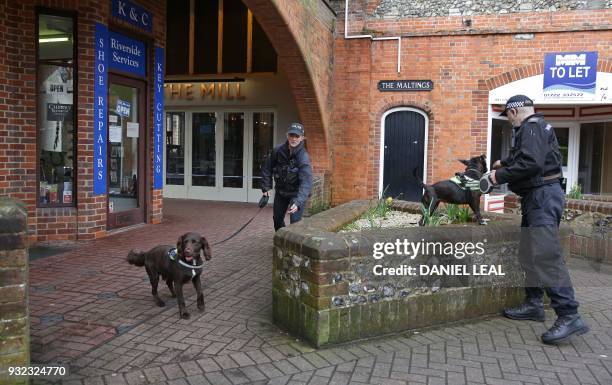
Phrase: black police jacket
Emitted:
{"points": [[534, 158], [292, 173]]}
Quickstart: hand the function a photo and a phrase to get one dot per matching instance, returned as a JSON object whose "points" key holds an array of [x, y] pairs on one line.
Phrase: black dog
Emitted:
{"points": [[449, 192], [176, 267]]}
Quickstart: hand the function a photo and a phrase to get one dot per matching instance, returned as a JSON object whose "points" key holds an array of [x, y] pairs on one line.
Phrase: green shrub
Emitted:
{"points": [[575, 192], [434, 219], [457, 214]]}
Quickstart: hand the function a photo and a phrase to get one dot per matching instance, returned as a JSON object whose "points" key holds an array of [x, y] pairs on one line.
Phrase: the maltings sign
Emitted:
{"points": [[405, 85]]}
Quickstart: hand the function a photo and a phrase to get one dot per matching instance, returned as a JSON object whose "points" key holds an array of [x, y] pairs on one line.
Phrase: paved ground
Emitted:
{"points": [[91, 309]]}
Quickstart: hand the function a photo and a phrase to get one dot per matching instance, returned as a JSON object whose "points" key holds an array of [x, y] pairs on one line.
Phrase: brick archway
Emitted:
{"points": [[303, 39]]}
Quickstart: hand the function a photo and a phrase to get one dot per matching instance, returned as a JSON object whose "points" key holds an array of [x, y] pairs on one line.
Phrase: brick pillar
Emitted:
{"points": [[14, 321]]}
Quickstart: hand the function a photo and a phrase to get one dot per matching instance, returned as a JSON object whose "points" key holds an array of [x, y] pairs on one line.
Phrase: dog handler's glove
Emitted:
{"points": [[486, 184], [263, 201]]}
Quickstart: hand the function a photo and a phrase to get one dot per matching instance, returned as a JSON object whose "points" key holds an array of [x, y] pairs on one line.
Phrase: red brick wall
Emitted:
{"points": [[302, 35], [463, 64], [18, 156]]}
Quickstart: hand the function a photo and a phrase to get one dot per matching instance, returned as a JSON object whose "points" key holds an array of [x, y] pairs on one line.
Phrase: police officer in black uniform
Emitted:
{"points": [[290, 165], [533, 171]]}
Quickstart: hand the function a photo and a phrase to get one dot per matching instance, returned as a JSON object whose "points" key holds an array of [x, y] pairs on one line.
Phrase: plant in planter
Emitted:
{"points": [[575, 192], [429, 219], [457, 214]]}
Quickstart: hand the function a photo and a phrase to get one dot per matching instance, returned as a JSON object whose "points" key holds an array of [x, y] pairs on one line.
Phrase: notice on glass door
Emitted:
{"points": [[114, 134], [132, 129]]}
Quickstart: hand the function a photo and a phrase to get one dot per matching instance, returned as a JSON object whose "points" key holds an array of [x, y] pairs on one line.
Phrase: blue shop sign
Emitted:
{"points": [[126, 54], [158, 121], [133, 14], [100, 108], [570, 75]]}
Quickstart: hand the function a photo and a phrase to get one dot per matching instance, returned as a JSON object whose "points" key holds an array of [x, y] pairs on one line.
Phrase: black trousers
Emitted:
{"points": [[540, 251], [281, 204]]}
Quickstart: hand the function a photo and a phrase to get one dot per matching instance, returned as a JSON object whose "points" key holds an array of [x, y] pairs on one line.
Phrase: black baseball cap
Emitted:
{"points": [[296, 128], [517, 101]]}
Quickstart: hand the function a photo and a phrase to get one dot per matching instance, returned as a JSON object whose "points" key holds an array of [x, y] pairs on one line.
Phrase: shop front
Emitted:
{"points": [[217, 134], [574, 96], [120, 100], [82, 107]]}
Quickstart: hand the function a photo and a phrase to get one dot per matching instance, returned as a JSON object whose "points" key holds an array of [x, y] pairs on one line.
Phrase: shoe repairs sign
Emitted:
{"points": [[405, 85]]}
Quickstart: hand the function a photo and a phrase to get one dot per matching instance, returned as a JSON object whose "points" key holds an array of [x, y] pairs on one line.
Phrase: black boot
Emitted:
{"points": [[526, 311], [564, 328]]}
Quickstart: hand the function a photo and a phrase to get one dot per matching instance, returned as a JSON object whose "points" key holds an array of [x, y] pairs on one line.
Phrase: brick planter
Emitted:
{"points": [[325, 291], [590, 221], [14, 322]]}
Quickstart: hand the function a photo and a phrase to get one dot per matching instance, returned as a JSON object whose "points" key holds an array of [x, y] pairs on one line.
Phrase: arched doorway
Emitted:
{"points": [[403, 149]]}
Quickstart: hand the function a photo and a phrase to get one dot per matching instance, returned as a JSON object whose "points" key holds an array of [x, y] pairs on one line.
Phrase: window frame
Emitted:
{"points": [[73, 15]]}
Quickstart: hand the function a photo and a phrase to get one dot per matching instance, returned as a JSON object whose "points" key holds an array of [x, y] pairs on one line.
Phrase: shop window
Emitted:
{"points": [[206, 36], [595, 158], [234, 36], [264, 56], [177, 45], [56, 111], [175, 148]]}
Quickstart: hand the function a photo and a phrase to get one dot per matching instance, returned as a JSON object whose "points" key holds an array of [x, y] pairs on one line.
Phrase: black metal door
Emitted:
{"points": [[404, 151]]}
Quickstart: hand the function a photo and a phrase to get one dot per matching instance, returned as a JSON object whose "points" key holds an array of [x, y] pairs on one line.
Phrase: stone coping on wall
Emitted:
{"points": [[14, 321], [322, 291], [592, 203]]}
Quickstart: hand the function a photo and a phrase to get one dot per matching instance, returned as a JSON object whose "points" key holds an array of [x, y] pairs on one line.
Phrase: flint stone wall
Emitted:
{"points": [[14, 321], [394, 9], [324, 290]]}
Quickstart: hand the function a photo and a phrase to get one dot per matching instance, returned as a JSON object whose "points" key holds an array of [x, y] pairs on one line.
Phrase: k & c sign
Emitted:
{"points": [[133, 14]]}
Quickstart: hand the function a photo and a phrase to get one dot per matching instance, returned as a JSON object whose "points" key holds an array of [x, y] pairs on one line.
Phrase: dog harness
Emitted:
{"points": [[173, 255], [465, 182]]}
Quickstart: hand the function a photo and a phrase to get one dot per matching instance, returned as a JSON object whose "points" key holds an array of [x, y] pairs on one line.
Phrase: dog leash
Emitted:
{"points": [[240, 229]]}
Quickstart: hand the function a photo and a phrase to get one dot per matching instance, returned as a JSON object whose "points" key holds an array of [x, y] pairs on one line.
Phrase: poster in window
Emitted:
{"points": [[57, 101]]}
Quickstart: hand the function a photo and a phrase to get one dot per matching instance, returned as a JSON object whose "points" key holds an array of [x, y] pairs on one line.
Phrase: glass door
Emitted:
{"points": [[216, 155], [261, 142], [203, 156], [176, 152], [233, 181], [567, 136], [126, 140]]}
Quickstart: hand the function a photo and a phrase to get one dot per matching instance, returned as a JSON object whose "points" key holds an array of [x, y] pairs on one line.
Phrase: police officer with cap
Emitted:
{"points": [[289, 163], [533, 171]]}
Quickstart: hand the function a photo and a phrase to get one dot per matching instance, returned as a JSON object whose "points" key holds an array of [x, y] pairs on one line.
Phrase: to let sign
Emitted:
{"points": [[570, 75], [133, 14], [405, 85]]}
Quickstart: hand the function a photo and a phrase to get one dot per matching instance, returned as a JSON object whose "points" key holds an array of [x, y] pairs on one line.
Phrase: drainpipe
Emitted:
{"points": [[398, 38]]}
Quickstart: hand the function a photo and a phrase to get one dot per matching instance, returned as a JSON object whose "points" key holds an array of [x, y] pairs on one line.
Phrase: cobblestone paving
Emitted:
{"points": [[92, 310]]}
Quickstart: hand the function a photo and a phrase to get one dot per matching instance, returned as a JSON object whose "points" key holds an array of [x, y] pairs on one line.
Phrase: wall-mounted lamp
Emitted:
{"points": [[53, 39]]}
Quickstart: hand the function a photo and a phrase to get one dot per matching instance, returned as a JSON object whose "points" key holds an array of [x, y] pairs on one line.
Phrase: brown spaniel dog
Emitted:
{"points": [[176, 266]]}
